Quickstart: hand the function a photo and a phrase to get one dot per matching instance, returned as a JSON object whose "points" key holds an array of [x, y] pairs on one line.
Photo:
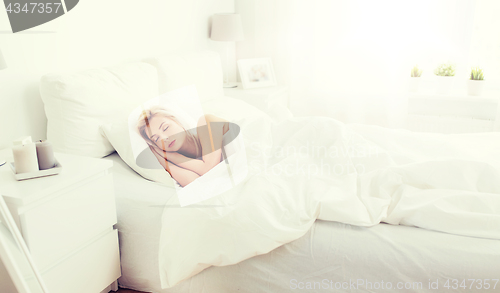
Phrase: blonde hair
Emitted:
{"points": [[143, 125]]}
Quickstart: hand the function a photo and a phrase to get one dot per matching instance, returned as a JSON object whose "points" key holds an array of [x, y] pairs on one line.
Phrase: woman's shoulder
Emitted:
{"points": [[214, 122], [210, 118]]}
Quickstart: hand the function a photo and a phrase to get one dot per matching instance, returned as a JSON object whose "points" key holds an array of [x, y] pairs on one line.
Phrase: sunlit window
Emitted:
{"points": [[362, 46]]}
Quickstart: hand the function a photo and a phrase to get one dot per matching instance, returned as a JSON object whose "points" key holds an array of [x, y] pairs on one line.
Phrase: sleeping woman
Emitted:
{"points": [[185, 154]]}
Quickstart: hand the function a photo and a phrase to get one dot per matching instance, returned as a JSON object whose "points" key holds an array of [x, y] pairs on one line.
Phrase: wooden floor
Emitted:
{"points": [[127, 291]]}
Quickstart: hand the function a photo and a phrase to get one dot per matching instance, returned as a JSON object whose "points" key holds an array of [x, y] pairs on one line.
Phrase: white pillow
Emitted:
{"points": [[77, 104], [203, 69], [118, 135]]}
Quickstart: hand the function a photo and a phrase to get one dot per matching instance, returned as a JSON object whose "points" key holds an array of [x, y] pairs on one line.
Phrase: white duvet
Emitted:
{"points": [[309, 168]]}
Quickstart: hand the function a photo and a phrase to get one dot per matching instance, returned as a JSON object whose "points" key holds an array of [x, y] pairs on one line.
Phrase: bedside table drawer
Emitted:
{"points": [[89, 270], [57, 227]]}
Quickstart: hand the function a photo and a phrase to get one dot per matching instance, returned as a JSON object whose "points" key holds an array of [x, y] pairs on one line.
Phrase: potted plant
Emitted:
{"points": [[445, 73], [415, 78], [476, 82]]}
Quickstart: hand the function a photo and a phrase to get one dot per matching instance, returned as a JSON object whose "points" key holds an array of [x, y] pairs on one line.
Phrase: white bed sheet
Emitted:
{"points": [[330, 251]]}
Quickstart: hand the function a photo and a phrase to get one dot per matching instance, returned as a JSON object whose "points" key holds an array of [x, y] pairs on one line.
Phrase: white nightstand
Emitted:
{"points": [[67, 222], [273, 101], [455, 113]]}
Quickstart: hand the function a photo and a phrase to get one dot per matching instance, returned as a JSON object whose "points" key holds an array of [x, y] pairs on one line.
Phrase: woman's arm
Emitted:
{"points": [[181, 175], [211, 142]]}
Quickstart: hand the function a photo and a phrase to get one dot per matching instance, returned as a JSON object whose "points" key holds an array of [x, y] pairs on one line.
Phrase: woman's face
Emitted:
{"points": [[166, 133]]}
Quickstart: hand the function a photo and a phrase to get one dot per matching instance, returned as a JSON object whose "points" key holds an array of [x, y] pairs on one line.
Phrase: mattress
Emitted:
{"points": [[331, 256]]}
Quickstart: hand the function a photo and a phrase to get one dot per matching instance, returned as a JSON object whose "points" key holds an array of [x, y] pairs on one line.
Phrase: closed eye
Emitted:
{"points": [[166, 128]]}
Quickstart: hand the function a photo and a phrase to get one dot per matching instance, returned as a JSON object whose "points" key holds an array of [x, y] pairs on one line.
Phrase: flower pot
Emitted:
{"points": [[443, 84], [475, 87], [414, 82]]}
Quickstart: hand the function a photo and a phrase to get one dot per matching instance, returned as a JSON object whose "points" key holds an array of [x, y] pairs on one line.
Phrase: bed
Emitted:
{"points": [[332, 251], [291, 233]]}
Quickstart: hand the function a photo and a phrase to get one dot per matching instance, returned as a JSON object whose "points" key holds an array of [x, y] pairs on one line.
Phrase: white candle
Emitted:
{"points": [[25, 158], [45, 155]]}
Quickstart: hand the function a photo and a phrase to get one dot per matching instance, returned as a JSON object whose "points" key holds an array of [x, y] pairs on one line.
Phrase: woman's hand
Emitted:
{"points": [[160, 156], [177, 158], [173, 157], [156, 149], [181, 175]]}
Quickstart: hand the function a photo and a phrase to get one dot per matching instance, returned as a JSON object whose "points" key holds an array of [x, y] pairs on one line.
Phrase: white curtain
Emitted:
{"points": [[351, 59]]}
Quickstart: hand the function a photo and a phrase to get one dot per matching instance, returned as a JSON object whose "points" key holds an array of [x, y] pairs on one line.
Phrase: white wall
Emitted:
{"points": [[266, 29], [95, 34], [340, 61]]}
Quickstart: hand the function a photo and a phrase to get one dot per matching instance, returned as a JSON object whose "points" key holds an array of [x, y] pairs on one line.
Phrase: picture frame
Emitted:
{"points": [[256, 73]]}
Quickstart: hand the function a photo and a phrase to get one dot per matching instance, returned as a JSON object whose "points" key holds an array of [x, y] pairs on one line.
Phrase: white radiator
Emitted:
{"points": [[453, 113], [447, 124]]}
